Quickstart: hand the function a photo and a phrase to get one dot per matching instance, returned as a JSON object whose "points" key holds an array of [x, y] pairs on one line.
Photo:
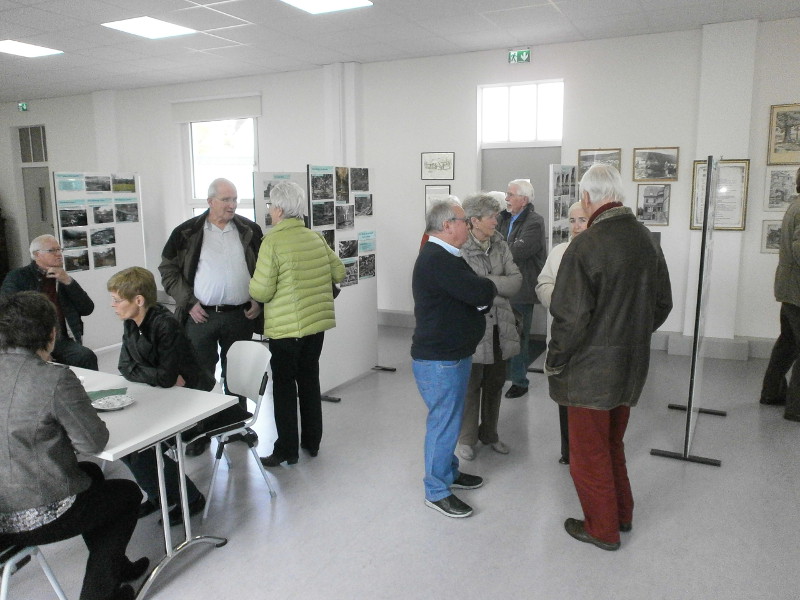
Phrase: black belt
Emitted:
{"points": [[224, 307]]}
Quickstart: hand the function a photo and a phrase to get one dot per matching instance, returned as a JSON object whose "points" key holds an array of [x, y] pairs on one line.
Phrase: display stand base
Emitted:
{"points": [[702, 411], [688, 458], [380, 368], [325, 398]]}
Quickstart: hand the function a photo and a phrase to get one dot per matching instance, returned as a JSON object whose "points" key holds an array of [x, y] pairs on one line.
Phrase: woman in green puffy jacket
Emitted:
{"points": [[293, 278]]}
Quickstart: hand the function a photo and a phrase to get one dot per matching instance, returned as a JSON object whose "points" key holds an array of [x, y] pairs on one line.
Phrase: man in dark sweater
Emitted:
{"points": [[449, 303]]}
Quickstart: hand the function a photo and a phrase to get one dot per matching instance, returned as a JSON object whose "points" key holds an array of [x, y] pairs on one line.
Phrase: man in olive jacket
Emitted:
{"points": [[612, 292]]}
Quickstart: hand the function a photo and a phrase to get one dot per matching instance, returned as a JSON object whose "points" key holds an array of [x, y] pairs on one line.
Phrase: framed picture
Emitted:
{"points": [[731, 194], [780, 188], [652, 206], [655, 164], [770, 237], [438, 165], [434, 193], [784, 134], [607, 156]]}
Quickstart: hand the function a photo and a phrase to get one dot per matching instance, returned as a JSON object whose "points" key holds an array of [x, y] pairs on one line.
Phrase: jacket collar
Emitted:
{"points": [[608, 211]]}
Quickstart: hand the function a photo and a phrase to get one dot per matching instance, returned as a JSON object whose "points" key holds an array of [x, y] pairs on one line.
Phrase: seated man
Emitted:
{"points": [[156, 351], [46, 274], [45, 417]]}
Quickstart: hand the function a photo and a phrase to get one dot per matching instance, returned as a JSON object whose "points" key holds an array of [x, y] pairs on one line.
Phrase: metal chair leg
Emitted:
{"points": [[217, 457], [263, 471]]}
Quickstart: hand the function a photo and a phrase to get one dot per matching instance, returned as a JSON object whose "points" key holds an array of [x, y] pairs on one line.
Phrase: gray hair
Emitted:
{"points": [[213, 187], [37, 243], [480, 205], [572, 207], [603, 184], [290, 198], [524, 188], [440, 213]]}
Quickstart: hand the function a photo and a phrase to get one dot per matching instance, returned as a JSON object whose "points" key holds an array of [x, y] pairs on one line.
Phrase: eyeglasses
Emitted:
{"points": [[465, 220], [51, 251]]}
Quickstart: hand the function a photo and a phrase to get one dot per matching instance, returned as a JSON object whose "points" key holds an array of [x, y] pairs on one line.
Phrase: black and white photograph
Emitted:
{"points": [[322, 187], [350, 272], [73, 217], [345, 217], [342, 185], [98, 183], [366, 266], [105, 257], [322, 214], [127, 213], [438, 165], [564, 191], [770, 237], [607, 156], [359, 179], [329, 235], [780, 187], [74, 238], [363, 205], [655, 164], [348, 248], [103, 214], [123, 183], [652, 206], [784, 140], [76, 260], [103, 236]]}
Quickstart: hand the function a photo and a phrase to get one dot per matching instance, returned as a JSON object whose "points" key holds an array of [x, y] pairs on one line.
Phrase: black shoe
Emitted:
{"points": [[773, 401], [451, 507], [147, 508], [274, 460], [564, 460], [467, 482], [123, 592], [575, 528], [197, 447], [516, 391], [791, 417], [312, 452], [175, 516], [133, 570], [625, 527]]}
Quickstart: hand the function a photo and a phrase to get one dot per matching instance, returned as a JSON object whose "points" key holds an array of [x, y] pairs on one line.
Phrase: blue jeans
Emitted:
{"points": [[518, 365], [442, 385]]}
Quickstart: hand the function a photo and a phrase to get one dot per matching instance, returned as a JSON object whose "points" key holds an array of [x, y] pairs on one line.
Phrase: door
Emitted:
{"points": [[38, 205]]}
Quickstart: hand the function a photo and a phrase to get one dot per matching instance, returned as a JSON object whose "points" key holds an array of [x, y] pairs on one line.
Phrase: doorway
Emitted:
{"points": [[38, 203]]}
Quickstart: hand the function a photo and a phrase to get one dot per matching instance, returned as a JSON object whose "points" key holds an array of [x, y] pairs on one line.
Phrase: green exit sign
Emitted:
{"points": [[22, 106], [519, 56]]}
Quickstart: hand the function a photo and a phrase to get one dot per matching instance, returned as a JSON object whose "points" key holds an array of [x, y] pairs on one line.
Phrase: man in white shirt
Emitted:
{"points": [[206, 267]]}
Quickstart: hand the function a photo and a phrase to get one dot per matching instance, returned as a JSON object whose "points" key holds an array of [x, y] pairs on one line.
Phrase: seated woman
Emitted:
{"points": [[45, 417], [156, 351]]}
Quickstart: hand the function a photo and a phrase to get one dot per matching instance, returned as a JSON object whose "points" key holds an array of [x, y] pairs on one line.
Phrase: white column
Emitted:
{"points": [[105, 126], [342, 86]]}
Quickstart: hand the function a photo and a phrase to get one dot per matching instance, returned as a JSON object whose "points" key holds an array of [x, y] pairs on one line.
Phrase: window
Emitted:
{"points": [[528, 113], [223, 149]]}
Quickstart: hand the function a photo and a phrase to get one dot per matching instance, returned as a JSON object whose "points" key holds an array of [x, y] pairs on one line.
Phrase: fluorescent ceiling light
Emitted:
{"points": [[316, 7], [27, 50], [149, 27]]}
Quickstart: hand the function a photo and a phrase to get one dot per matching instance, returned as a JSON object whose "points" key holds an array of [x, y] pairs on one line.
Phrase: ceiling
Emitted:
{"points": [[247, 37]]}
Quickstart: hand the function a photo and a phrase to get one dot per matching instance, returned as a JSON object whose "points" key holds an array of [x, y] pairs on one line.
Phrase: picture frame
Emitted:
{"points": [[770, 237], [655, 164], [435, 193], [731, 205], [589, 156], [781, 149], [652, 204], [438, 165], [780, 188]]}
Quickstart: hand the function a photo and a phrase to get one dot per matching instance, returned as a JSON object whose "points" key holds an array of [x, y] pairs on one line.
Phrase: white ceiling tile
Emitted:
{"points": [[40, 20], [201, 18]]}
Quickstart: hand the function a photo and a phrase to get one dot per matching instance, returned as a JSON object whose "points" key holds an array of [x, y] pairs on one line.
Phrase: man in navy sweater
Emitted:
{"points": [[449, 303]]}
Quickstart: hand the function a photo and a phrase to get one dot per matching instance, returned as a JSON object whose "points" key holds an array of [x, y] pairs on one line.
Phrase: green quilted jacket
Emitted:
{"points": [[293, 278]]}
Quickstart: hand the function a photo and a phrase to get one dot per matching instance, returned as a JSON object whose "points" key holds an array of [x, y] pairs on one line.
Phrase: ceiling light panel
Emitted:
{"points": [[316, 7], [26, 50], [149, 27]]}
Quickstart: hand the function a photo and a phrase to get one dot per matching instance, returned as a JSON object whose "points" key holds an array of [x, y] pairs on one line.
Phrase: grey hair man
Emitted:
{"points": [[46, 274], [612, 292], [206, 267], [523, 229]]}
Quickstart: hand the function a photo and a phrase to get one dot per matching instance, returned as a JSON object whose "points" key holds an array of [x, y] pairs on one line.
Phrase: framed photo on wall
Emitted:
{"points": [[652, 206], [435, 193], [438, 165], [780, 188], [655, 164], [770, 237], [784, 134], [607, 156], [731, 194]]}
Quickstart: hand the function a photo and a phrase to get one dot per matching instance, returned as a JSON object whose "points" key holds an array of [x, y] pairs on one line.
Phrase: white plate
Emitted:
{"points": [[116, 402]]}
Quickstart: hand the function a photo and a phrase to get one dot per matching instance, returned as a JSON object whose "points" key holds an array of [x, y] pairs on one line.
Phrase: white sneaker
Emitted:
{"points": [[500, 447], [466, 452]]}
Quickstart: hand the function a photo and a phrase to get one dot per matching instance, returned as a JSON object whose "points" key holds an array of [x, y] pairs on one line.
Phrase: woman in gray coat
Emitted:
{"points": [[489, 256]]}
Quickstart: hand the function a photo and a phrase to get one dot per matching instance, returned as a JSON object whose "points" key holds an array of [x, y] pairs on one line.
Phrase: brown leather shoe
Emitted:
{"points": [[575, 528], [516, 391]]}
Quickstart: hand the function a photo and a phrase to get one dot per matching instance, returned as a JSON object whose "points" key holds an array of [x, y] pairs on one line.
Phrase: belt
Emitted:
{"points": [[224, 307]]}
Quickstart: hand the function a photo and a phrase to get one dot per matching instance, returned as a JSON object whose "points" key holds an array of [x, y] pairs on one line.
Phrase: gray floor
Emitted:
{"points": [[351, 523]]}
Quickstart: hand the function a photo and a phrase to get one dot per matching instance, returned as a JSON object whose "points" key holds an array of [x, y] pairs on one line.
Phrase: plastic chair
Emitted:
{"points": [[13, 558], [247, 374]]}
